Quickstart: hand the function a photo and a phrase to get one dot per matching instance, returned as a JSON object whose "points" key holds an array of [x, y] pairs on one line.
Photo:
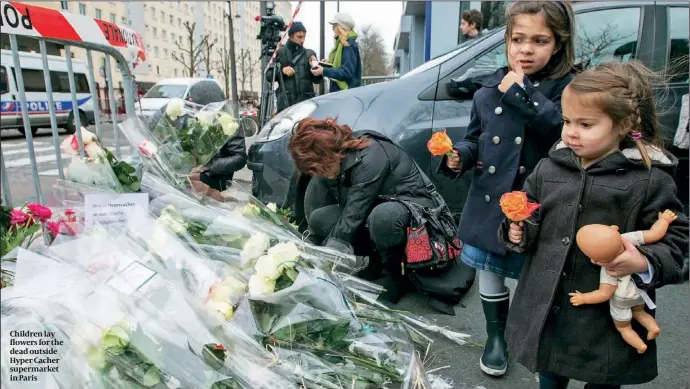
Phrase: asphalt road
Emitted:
{"points": [[463, 361]]}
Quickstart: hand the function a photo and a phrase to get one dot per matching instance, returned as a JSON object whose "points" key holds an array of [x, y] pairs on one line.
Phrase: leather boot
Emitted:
{"points": [[494, 360]]}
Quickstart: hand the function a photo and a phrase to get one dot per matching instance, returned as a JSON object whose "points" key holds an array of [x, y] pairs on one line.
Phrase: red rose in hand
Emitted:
{"points": [[516, 207]]}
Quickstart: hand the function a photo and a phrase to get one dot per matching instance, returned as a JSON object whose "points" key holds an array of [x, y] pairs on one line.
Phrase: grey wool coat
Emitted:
{"points": [[545, 332]]}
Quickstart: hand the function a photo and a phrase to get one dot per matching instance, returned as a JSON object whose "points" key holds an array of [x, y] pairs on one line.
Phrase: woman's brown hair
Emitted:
{"points": [[623, 91], [560, 20], [318, 146]]}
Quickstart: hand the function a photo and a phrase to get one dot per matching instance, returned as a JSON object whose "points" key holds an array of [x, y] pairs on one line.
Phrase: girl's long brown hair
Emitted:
{"points": [[623, 91], [318, 146]]}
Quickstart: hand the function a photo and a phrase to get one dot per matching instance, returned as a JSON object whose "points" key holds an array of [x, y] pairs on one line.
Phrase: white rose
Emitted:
{"points": [[172, 219], [286, 253], [272, 207], [175, 109], [88, 137], [221, 306], [228, 123], [205, 118], [237, 287], [269, 267], [93, 151], [227, 289], [250, 210], [255, 247], [259, 285]]}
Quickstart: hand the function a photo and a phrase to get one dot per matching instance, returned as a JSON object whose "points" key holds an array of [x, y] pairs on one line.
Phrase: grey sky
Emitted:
{"points": [[385, 15]]}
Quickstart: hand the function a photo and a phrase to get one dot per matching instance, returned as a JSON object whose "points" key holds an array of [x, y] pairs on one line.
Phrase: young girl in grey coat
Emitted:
{"points": [[607, 169]]}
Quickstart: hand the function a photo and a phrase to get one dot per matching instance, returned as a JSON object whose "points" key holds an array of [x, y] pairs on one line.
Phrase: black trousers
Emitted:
{"points": [[553, 381], [385, 228]]}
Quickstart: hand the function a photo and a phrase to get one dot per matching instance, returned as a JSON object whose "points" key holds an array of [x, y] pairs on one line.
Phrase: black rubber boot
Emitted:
{"points": [[494, 360]]}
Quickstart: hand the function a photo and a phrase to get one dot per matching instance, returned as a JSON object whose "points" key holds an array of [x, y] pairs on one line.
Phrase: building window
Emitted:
{"points": [[162, 16], [99, 14], [64, 5], [155, 32], [165, 53], [155, 51], [179, 22], [164, 35], [175, 72], [172, 20], [82, 9], [158, 69], [112, 17], [172, 37], [153, 13], [124, 20]]}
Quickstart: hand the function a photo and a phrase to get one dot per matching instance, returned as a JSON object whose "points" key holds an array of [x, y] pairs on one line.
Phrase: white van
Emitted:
{"points": [[198, 90], [36, 96]]}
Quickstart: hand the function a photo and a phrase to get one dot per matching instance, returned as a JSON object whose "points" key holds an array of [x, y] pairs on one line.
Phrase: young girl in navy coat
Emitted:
{"points": [[515, 119]]}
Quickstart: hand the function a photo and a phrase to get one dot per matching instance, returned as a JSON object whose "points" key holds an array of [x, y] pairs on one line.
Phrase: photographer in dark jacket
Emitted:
{"points": [[294, 61], [231, 157]]}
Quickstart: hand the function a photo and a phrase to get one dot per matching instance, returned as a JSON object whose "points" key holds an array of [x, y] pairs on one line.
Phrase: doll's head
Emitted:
{"points": [[599, 242]]}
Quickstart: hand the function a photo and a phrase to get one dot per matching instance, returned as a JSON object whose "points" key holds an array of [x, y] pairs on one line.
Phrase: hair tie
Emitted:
{"points": [[636, 135]]}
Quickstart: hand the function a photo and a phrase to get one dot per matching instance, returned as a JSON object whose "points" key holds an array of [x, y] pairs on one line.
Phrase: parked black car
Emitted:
{"points": [[438, 94]]}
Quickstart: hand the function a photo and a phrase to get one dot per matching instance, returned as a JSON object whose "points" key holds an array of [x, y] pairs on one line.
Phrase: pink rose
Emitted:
{"points": [[53, 229], [39, 212], [18, 217], [147, 149]]}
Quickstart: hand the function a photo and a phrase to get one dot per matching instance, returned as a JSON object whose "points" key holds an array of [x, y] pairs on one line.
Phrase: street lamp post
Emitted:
{"points": [[233, 63]]}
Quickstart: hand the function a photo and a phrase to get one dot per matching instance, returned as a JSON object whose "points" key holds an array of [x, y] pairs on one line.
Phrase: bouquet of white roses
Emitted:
{"points": [[199, 132], [99, 168]]}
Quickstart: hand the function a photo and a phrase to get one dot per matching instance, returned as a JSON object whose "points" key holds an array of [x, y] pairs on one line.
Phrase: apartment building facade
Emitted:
{"points": [[163, 27]]}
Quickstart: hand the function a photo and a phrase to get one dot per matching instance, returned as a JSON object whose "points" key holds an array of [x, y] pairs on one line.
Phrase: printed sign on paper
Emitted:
{"points": [[108, 209]]}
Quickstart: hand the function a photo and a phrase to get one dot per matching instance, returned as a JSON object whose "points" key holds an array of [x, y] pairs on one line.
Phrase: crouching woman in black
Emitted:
{"points": [[343, 204]]}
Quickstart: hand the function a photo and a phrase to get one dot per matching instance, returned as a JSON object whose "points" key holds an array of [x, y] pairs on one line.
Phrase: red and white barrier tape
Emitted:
{"points": [[282, 38], [30, 20]]}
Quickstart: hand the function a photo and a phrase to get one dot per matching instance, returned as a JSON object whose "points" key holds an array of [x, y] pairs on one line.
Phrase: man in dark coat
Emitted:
{"points": [[294, 61], [545, 332]]}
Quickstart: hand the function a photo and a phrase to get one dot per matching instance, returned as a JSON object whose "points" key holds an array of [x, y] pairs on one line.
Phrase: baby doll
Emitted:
{"points": [[603, 244]]}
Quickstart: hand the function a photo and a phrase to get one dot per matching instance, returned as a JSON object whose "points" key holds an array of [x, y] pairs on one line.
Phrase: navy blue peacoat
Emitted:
{"points": [[508, 134]]}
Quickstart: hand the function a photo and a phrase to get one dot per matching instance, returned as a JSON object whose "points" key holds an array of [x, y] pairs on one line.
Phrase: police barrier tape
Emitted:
{"points": [[124, 44]]}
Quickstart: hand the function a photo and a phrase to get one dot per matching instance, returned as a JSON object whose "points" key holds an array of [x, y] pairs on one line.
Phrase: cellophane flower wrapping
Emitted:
{"points": [[135, 329], [198, 131], [98, 168]]}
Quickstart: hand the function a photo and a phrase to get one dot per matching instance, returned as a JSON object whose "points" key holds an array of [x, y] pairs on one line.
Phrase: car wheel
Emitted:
{"points": [[71, 125]]}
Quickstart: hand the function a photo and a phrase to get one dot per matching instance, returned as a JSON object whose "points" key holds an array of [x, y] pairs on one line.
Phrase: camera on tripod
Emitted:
{"points": [[271, 27]]}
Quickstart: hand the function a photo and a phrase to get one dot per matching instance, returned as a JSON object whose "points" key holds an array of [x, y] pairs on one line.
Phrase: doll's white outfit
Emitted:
{"points": [[626, 295]]}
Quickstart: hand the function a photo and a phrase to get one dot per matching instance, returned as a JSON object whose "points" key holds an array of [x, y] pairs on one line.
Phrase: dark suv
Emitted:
{"points": [[438, 94]]}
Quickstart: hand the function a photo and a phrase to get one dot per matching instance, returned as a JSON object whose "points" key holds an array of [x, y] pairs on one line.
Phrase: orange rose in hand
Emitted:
{"points": [[440, 144], [516, 207]]}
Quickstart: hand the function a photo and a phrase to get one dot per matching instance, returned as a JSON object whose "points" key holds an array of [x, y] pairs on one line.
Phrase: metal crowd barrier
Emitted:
{"points": [[70, 30]]}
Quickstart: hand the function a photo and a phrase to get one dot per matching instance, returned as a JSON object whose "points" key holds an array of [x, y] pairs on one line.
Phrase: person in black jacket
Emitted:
{"points": [[294, 62], [231, 157], [342, 203]]}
